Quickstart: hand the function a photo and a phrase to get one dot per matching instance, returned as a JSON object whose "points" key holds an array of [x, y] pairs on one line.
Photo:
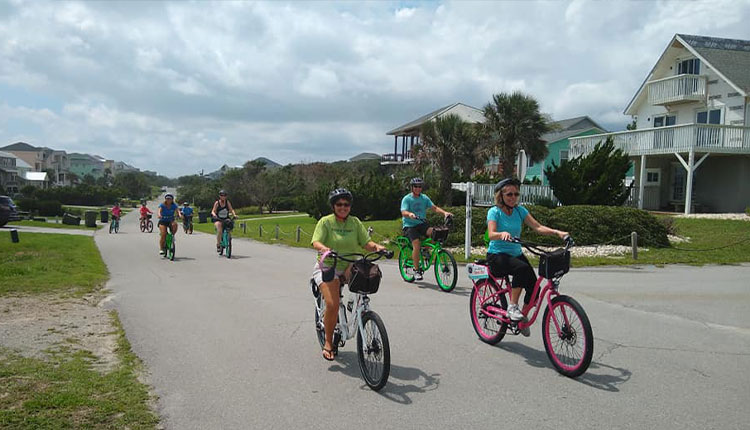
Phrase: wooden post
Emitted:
{"points": [[642, 182], [244, 228], [467, 239], [260, 230], [277, 232], [634, 244], [395, 148], [298, 232]]}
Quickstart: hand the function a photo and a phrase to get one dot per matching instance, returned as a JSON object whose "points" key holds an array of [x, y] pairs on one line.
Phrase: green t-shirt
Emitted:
{"points": [[345, 237]]}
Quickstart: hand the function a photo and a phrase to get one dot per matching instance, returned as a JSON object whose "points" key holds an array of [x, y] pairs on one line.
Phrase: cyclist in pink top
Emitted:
{"points": [[116, 211]]}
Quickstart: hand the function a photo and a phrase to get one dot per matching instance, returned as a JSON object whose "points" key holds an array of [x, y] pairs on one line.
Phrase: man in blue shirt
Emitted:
{"points": [[187, 215], [414, 212]]}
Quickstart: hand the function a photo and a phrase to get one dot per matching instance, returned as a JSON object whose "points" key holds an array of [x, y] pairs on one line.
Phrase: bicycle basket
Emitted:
{"points": [[439, 234], [365, 278], [228, 224], [554, 264]]}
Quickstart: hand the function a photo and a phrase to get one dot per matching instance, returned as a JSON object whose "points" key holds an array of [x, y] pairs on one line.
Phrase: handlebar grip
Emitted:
{"points": [[388, 254]]}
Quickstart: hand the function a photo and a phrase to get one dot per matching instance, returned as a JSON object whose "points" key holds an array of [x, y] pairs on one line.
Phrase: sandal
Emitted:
{"points": [[331, 354]]}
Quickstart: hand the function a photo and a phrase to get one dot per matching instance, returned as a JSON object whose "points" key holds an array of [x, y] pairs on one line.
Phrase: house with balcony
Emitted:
{"points": [[85, 164], [691, 145], [406, 136], [43, 159], [9, 175]]}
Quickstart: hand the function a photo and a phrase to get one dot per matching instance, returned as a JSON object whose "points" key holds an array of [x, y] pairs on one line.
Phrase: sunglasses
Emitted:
{"points": [[416, 186], [512, 194], [343, 205], [222, 195]]}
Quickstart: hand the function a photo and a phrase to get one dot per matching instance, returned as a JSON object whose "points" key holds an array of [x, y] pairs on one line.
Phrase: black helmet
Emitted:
{"points": [[506, 182], [340, 193], [222, 193], [416, 181]]}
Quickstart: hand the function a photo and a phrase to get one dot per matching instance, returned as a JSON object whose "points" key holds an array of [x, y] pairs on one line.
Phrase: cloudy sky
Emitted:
{"points": [[178, 87]]}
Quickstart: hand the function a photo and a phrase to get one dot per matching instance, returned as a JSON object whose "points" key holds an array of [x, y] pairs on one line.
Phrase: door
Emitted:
{"points": [[708, 136], [664, 138]]}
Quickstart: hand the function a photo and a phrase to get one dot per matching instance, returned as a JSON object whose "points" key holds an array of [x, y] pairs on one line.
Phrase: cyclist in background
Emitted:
{"points": [[187, 212], [220, 213], [116, 211], [346, 235], [167, 213], [414, 210], [144, 211]]}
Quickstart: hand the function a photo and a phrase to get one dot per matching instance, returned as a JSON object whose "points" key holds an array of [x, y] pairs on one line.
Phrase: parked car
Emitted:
{"points": [[8, 211]]}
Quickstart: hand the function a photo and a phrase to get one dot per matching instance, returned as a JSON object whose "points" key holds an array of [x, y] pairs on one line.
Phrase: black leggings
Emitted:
{"points": [[518, 267]]}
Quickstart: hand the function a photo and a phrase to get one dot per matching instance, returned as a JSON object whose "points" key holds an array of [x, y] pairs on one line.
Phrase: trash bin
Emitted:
{"points": [[90, 217], [105, 216], [202, 217], [69, 219]]}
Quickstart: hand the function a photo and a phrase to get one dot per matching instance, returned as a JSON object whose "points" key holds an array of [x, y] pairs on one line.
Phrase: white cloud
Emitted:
{"points": [[224, 82]]}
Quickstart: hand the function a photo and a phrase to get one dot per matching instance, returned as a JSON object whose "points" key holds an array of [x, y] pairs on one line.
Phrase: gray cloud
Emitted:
{"points": [[203, 84]]}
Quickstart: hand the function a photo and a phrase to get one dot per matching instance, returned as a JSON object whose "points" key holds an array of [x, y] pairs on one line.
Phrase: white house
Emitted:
{"points": [[410, 132], [691, 146]]}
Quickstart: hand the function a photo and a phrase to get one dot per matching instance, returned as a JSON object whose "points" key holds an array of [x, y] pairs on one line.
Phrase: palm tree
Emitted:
{"points": [[513, 122], [439, 142]]}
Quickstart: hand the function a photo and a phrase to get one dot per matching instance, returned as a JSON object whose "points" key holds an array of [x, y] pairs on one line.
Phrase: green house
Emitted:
{"points": [[558, 144]]}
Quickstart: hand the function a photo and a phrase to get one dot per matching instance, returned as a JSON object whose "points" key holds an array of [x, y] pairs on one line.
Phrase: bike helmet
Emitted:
{"points": [[416, 181], [339, 193], [505, 182], [185, 204], [222, 193], [168, 196]]}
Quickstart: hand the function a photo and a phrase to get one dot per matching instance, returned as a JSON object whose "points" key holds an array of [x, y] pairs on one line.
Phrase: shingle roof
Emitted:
{"points": [[424, 118], [570, 127], [19, 146], [731, 57]]}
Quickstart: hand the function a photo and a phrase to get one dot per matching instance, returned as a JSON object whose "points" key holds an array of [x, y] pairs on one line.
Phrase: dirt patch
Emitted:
{"points": [[36, 326]]}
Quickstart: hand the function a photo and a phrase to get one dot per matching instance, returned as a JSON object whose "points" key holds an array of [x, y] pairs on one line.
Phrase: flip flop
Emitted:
{"points": [[329, 351]]}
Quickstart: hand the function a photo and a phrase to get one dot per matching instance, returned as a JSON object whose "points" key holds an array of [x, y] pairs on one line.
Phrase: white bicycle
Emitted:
{"points": [[373, 350]]}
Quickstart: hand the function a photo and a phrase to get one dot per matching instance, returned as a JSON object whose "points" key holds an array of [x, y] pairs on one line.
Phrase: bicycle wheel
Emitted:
{"points": [[117, 226], [570, 350], [446, 270], [150, 226], [483, 295], [229, 245], [143, 226], [319, 329], [111, 227], [404, 262], [374, 351], [170, 246]]}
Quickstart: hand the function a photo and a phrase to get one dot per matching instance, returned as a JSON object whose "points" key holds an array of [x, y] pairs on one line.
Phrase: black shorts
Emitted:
{"points": [[166, 222], [416, 232], [518, 267]]}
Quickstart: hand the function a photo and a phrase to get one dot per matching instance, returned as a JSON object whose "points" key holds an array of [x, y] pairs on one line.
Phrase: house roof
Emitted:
{"points": [[570, 127], [365, 156], [7, 155], [19, 146], [466, 112], [730, 58], [35, 176]]}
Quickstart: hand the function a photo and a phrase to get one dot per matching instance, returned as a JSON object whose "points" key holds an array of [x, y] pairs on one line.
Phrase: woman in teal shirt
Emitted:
{"points": [[504, 222], [345, 234]]}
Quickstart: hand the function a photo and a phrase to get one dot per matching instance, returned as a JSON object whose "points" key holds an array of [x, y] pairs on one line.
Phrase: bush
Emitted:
{"points": [[248, 210], [747, 211], [49, 208], [589, 225]]}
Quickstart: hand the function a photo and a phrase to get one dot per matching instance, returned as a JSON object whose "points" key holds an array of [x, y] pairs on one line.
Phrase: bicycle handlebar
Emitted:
{"points": [[345, 257], [569, 243]]}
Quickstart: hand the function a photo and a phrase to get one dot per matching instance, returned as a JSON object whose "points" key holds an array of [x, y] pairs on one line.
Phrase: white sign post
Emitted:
{"points": [[468, 187]]}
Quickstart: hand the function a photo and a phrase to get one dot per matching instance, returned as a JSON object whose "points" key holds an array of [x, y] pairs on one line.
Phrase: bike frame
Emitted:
{"points": [[434, 247], [549, 291]]}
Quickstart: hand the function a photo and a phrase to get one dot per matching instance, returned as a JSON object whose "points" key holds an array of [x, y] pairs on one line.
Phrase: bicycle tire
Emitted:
{"points": [[150, 226], [229, 245], [488, 329], [570, 336], [111, 227], [172, 251], [319, 329], [117, 227], [143, 226], [446, 266], [404, 258], [374, 345]]}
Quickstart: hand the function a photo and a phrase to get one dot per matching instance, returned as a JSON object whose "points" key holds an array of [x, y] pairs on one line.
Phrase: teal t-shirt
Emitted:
{"points": [[346, 237], [512, 224], [417, 205]]}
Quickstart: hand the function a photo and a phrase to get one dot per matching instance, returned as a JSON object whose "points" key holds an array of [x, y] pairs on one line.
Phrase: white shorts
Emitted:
{"points": [[317, 274]]}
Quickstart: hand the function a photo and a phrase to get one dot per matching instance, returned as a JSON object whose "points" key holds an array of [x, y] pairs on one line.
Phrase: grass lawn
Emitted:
{"points": [[42, 263], [704, 234], [65, 392], [54, 225]]}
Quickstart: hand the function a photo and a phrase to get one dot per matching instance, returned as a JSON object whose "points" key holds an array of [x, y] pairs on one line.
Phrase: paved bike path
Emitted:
{"points": [[230, 344]]}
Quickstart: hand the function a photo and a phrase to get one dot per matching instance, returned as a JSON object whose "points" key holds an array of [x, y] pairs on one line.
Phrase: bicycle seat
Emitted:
{"points": [[483, 262]]}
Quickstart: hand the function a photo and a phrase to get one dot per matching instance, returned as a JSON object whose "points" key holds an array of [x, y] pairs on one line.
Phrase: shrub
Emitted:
{"points": [[747, 211], [49, 208], [248, 210], [456, 236]]}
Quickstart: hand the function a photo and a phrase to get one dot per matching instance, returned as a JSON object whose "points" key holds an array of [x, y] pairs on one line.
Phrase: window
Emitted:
{"points": [[653, 177], [529, 162], [690, 67], [563, 155], [708, 117], [666, 120]]}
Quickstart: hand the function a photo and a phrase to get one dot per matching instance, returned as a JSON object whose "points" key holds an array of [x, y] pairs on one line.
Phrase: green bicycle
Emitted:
{"points": [[432, 253], [169, 244]]}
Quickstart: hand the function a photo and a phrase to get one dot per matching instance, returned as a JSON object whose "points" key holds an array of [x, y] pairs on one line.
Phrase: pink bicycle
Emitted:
{"points": [[566, 330]]}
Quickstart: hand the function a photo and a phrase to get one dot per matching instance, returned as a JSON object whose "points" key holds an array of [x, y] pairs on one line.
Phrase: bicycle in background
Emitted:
{"points": [[114, 225], [432, 252], [147, 224]]}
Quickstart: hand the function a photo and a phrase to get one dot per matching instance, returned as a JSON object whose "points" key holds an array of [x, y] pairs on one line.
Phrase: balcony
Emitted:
{"points": [[396, 158], [677, 89], [727, 139]]}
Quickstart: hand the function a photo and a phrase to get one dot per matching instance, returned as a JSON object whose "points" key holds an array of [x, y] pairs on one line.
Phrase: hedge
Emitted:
{"points": [[589, 225]]}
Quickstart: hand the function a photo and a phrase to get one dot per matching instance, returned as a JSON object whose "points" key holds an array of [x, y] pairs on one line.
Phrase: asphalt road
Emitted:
{"points": [[230, 344]]}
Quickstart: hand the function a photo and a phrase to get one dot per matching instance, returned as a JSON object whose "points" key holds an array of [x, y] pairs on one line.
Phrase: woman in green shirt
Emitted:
{"points": [[345, 234]]}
